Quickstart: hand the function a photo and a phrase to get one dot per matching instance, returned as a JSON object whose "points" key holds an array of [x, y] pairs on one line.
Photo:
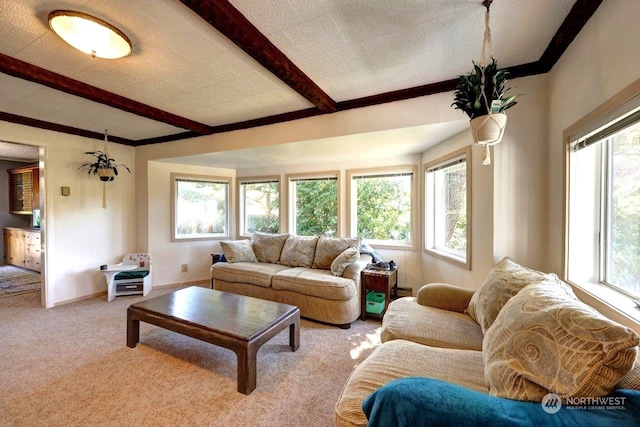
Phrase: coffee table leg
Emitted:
{"points": [[294, 333], [133, 329], [247, 367]]}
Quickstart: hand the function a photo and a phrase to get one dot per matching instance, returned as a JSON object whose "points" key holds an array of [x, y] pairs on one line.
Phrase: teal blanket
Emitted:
{"points": [[429, 402]]}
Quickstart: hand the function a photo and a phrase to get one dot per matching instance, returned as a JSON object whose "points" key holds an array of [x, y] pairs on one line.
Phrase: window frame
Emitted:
{"points": [[429, 225], [175, 178], [352, 208], [291, 205], [601, 171], [256, 180], [614, 303]]}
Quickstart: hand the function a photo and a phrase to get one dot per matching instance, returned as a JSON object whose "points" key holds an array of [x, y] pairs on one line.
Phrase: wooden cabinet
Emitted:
{"points": [[22, 248], [24, 189], [32, 250]]}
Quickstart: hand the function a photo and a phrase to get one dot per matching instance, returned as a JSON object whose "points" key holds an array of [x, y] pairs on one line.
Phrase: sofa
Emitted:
{"points": [[522, 335], [320, 275]]}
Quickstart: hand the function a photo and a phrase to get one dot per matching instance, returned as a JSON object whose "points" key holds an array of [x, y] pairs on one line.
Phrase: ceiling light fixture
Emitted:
{"points": [[89, 34]]}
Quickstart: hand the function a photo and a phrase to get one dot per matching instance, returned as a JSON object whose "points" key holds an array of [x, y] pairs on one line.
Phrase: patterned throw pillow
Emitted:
{"points": [[546, 340], [268, 247], [298, 251], [238, 251], [329, 248], [344, 260], [504, 281]]}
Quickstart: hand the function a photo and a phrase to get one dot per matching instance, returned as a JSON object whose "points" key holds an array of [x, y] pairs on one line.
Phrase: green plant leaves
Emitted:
{"points": [[475, 91]]}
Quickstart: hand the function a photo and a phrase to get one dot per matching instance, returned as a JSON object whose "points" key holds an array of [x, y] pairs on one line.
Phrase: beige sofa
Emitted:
{"points": [[473, 338], [319, 275]]}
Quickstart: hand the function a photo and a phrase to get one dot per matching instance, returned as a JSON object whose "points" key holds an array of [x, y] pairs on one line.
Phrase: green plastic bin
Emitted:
{"points": [[375, 302]]}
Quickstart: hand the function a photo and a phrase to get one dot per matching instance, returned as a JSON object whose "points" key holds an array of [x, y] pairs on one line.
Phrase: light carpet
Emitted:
{"points": [[70, 366], [15, 280]]}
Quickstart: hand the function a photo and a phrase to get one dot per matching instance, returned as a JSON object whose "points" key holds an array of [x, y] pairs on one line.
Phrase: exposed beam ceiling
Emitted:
{"points": [[16, 68], [229, 21], [225, 18]]}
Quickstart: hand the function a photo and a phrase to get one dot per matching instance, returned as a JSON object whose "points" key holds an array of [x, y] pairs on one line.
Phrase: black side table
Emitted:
{"points": [[214, 258]]}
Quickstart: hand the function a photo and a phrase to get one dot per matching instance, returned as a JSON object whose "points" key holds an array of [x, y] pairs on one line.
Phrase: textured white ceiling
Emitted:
{"points": [[18, 152], [180, 64]]}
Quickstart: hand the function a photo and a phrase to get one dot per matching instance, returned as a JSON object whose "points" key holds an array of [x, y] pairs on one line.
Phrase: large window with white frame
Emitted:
{"points": [[259, 205], [603, 233], [200, 208], [447, 192], [313, 204], [381, 205]]}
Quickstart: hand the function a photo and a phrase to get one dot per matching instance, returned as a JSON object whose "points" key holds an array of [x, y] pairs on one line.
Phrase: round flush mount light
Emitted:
{"points": [[89, 34]]}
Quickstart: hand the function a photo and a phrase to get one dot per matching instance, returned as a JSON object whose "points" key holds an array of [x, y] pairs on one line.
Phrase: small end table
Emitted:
{"points": [[110, 273], [377, 280]]}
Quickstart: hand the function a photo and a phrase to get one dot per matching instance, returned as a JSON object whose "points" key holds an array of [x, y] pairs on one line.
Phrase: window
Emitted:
{"points": [[381, 205], [200, 207], [604, 206], [259, 205], [448, 208], [313, 205]]}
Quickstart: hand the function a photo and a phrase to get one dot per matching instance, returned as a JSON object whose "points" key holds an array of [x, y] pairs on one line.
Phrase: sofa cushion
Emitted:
{"points": [[238, 251], [254, 273], [328, 248], [298, 251], [407, 320], [268, 247], [344, 260], [503, 282], [546, 340], [317, 283], [399, 359]]}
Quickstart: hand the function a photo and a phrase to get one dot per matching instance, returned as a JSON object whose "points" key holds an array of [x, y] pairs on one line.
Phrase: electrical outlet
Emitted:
{"points": [[185, 268]]}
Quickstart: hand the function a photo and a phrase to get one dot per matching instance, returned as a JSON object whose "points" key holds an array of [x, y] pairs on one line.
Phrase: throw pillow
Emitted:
{"points": [[503, 282], [329, 248], [298, 251], [268, 247], [344, 260], [545, 340], [238, 251]]}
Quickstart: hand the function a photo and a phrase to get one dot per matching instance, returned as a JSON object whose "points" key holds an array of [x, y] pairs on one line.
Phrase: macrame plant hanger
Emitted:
{"points": [[487, 47], [104, 183]]}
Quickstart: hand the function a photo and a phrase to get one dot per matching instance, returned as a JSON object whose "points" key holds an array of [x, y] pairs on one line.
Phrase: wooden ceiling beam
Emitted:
{"points": [[23, 70], [579, 14], [224, 17], [27, 121]]}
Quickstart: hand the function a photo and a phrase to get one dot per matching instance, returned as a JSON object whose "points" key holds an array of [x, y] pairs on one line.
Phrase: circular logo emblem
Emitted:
{"points": [[551, 403]]}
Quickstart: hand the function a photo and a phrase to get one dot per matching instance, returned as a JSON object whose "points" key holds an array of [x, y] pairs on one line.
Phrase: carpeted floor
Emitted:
{"points": [[15, 280], [70, 366]]}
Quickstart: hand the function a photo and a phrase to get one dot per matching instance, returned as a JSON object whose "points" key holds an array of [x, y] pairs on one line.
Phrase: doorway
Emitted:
{"points": [[22, 217]]}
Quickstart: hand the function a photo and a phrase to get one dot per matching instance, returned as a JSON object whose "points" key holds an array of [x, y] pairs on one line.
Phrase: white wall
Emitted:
{"points": [[520, 197], [167, 256], [602, 60], [78, 234]]}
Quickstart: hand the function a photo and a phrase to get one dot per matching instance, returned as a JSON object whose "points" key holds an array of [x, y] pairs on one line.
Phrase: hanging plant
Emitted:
{"points": [[483, 96], [483, 91], [104, 166]]}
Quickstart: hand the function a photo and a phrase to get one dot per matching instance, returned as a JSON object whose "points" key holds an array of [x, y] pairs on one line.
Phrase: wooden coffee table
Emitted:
{"points": [[239, 323]]}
